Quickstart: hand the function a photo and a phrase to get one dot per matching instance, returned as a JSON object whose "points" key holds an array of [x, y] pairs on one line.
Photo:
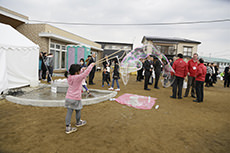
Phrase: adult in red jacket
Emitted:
{"points": [[192, 66], [200, 78], [181, 70]]}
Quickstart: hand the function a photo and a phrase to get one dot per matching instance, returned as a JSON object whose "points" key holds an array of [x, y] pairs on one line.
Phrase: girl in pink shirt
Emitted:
{"points": [[73, 95]]}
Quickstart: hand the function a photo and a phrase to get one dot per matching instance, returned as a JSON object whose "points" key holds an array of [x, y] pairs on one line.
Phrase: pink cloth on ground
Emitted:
{"points": [[137, 101], [75, 84]]}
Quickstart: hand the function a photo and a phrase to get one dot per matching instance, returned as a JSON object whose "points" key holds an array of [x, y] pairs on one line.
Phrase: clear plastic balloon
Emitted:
{"points": [[131, 63]]}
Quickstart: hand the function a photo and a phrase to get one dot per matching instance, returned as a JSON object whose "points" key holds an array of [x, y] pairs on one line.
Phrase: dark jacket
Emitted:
{"points": [[105, 62], [147, 67], [43, 63], [92, 61], [216, 70], [157, 66], [116, 72], [226, 71]]}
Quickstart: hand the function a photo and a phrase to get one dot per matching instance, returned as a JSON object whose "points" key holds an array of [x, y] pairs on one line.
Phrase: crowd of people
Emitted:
{"points": [[195, 70]]}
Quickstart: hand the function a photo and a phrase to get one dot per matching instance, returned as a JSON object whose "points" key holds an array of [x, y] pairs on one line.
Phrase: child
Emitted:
{"points": [[166, 74], [83, 66], [115, 76], [105, 75], [73, 95]]}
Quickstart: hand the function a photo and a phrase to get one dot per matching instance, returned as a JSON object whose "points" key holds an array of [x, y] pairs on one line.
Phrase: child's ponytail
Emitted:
{"points": [[66, 74]]}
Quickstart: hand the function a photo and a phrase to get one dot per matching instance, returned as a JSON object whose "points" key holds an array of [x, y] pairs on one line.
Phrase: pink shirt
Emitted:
{"points": [[75, 84]]}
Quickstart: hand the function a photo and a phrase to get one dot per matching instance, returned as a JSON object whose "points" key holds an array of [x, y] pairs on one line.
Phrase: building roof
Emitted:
{"points": [[12, 18], [68, 40], [15, 19], [115, 43], [12, 38], [215, 60], [169, 39]]}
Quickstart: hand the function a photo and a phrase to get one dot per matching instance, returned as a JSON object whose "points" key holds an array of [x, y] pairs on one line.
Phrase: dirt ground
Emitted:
{"points": [[178, 126]]}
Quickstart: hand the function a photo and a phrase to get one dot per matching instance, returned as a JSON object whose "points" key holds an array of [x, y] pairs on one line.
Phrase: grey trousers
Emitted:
{"points": [[69, 115], [191, 82]]}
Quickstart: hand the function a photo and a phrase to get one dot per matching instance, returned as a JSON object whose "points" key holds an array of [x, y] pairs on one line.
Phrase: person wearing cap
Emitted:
{"points": [[148, 71], [192, 66], [200, 78], [181, 70]]}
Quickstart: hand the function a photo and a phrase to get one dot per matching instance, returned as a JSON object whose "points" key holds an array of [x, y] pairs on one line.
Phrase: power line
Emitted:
{"points": [[134, 24]]}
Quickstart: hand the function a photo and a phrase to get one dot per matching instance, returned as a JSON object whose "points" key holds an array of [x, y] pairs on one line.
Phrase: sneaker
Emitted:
{"points": [[117, 89], [70, 129], [111, 88], [88, 93], [81, 123]]}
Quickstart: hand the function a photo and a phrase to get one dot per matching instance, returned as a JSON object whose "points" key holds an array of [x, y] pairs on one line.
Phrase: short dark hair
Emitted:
{"points": [[73, 69], [201, 60], [82, 59], [180, 55], [195, 54]]}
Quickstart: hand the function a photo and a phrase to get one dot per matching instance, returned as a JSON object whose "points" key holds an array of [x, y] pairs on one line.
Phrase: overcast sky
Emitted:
{"points": [[214, 37]]}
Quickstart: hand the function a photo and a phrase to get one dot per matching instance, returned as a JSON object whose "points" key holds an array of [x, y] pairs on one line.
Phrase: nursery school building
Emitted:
{"points": [[49, 38], [172, 46], [111, 47]]}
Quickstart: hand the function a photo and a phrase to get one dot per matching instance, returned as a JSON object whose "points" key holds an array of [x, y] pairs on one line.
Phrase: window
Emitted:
{"points": [[187, 51], [57, 46], [164, 50], [59, 52], [167, 50], [172, 50], [52, 45]]}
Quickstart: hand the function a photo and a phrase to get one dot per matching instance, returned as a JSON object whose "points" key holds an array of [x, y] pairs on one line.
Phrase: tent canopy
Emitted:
{"points": [[18, 59], [12, 38]]}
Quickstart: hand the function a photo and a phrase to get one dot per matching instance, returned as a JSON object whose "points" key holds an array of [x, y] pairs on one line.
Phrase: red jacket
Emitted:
{"points": [[192, 66], [201, 72], [180, 68]]}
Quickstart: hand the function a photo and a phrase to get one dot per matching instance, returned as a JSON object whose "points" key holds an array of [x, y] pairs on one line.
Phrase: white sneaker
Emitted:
{"points": [[111, 88], [118, 89], [70, 129]]}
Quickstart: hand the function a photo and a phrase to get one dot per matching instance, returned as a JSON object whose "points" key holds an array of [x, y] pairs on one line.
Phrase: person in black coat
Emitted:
{"points": [[216, 73], [227, 76], [44, 67], [107, 63], [116, 75], [92, 72], [148, 72], [139, 72], [157, 69]]}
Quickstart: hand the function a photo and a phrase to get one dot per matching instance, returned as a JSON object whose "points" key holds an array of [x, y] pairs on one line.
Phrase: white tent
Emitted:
{"points": [[19, 59]]}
